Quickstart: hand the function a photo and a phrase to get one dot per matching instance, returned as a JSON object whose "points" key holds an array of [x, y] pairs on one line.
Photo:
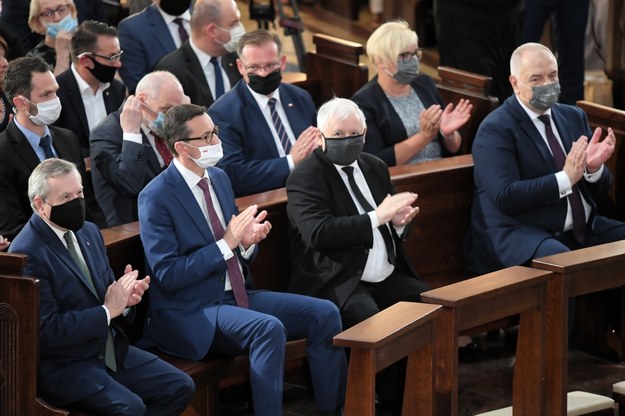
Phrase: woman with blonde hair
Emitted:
{"points": [[407, 121]]}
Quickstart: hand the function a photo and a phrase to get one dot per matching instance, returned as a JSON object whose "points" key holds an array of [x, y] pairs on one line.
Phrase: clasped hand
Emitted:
{"points": [[125, 292], [397, 209], [247, 228]]}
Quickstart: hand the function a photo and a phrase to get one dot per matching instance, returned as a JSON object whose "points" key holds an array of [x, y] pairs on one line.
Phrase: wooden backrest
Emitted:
{"points": [[12, 264]]}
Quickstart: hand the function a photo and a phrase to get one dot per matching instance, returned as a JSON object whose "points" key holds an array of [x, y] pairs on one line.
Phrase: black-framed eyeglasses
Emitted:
{"points": [[407, 56], [61, 10], [267, 68], [207, 137], [111, 59]]}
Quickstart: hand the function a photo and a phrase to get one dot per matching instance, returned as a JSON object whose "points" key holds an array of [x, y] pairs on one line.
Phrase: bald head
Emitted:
{"points": [[161, 90], [527, 53]]}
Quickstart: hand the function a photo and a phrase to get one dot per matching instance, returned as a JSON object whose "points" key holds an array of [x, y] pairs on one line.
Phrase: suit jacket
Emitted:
{"points": [[17, 161], [187, 266], [120, 169], [329, 240], [73, 115], [384, 127], [251, 158], [145, 39], [517, 203], [183, 63], [73, 327]]}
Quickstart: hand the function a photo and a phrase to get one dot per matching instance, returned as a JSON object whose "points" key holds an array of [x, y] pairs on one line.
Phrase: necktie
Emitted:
{"points": [[575, 199], [109, 355], [161, 148], [182, 32], [277, 123], [45, 142], [219, 79], [384, 230], [234, 273]]}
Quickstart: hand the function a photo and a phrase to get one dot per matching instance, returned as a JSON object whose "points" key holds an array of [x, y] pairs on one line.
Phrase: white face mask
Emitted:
{"points": [[47, 112], [235, 34], [209, 155]]}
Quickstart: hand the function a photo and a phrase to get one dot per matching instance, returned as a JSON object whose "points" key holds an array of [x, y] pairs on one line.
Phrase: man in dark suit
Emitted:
{"points": [[346, 227], [535, 172], [29, 138], [126, 148], [266, 127], [85, 360], [198, 246], [151, 34], [211, 48], [88, 90]]}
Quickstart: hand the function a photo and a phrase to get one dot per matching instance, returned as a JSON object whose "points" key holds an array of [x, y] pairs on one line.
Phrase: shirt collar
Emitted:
{"points": [[33, 138], [82, 84], [202, 56], [533, 115], [186, 16], [263, 100], [190, 177]]}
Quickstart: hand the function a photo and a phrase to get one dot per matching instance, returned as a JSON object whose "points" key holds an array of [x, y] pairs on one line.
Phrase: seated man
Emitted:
{"points": [[127, 152], [346, 225], [266, 126], [198, 246], [85, 360], [535, 172]]}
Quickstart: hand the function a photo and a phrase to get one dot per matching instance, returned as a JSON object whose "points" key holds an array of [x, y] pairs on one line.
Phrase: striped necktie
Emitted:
{"points": [[277, 123]]}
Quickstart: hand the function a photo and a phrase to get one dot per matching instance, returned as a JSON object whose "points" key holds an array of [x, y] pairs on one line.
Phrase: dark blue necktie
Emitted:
{"points": [[219, 79], [277, 123], [46, 144]]}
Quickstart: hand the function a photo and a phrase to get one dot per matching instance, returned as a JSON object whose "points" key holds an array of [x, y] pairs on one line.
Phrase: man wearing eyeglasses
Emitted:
{"points": [[127, 148], [267, 127], [89, 90]]}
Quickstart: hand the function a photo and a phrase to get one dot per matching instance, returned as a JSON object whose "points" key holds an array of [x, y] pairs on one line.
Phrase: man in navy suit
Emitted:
{"points": [[267, 127], [198, 246], [85, 360], [151, 34], [88, 90], [537, 164]]}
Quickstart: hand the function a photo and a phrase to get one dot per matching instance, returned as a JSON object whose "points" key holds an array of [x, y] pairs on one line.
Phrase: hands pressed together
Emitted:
{"points": [[448, 121], [247, 228], [397, 209], [125, 292]]}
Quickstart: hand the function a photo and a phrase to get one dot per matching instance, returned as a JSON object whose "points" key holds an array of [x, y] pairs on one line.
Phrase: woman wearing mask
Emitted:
{"points": [[407, 121], [56, 19], [5, 105]]}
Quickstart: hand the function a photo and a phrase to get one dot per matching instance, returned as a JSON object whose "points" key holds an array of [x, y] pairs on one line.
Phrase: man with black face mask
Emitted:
{"points": [[346, 227], [88, 90], [537, 167], [267, 127], [85, 360], [149, 35]]}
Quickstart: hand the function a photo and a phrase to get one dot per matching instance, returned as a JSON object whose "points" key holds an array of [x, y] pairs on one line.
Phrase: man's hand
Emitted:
{"points": [[305, 144], [4, 243], [598, 152], [404, 216], [430, 121], [257, 231], [575, 163], [132, 116], [119, 293], [396, 205], [239, 225], [138, 289], [454, 118]]}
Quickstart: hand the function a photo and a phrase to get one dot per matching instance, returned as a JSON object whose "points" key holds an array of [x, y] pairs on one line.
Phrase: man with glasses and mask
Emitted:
{"points": [[346, 227], [89, 90], [537, 166], [206, 64], [151, 34], [85, 360], [198, 246], [267, 127], [30, 138], [127, 148]]}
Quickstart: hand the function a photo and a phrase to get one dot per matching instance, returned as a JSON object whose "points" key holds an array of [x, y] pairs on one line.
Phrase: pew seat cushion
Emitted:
{"points": [[577, 403], [619, 387]]}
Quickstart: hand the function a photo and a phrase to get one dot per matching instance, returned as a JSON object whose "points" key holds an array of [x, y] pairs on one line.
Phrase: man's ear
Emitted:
{"points": [[39, 203], [21, 103]]}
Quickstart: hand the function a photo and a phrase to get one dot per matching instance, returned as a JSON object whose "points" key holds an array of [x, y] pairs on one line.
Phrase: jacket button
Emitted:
{"points": [[100, 356]]}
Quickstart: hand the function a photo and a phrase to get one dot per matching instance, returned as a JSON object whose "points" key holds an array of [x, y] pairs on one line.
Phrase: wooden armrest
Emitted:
{"points": [[581, 259], [12, 264], [339, 49]]}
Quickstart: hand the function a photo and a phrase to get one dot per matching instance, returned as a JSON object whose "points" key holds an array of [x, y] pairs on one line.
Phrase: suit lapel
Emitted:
{"points": [[293, 113], [256, 120], [22, 147], [197, 71], [229, 63], [87, 247], [77, 106], [159, 29]]}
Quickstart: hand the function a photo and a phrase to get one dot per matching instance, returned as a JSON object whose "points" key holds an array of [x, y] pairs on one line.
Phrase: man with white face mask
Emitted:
{"points": [[206, 64], [198, 247], [30, 138]]}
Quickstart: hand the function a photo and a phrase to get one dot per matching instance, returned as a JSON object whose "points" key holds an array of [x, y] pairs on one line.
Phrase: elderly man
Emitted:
{"points": [[127, 151], [85, 360], [537, 165]]}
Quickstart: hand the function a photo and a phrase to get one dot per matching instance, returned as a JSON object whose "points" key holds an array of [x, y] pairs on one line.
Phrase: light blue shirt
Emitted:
{"points": [[34, 140]]}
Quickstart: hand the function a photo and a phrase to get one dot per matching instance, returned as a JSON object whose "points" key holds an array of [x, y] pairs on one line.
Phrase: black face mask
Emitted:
{"points": [[345, 150], [175, 7], [101, 72], [265, 85], [70, 215]]}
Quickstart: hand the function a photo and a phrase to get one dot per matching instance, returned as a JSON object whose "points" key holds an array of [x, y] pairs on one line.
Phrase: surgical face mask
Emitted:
{"points": [[175, 7], [407, 71], [47, 112], [158, 124], [103, 73], [345, 150], [235, 34], [68, 23], [267, 84], [209, 155], [70, 215], [544, 96]]}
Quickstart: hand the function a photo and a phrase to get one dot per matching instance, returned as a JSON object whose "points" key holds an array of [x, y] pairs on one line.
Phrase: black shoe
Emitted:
{"points": [[234, 399], [470, 353]]}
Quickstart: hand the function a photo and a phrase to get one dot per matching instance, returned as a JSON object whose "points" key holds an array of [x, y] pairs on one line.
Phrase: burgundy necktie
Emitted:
{"points": [[182, 32], [161, 148], [234, 273], [575, 199]]}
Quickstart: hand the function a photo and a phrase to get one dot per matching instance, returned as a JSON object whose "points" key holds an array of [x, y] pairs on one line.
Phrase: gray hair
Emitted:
{"points": [[154, 82], [49, 168], [338, 109]]}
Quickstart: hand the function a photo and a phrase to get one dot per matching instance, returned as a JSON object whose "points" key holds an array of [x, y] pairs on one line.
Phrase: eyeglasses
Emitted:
{"points": [[267, 68], [113, 58], [207, 137], [405, 57], [61, 10]]}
